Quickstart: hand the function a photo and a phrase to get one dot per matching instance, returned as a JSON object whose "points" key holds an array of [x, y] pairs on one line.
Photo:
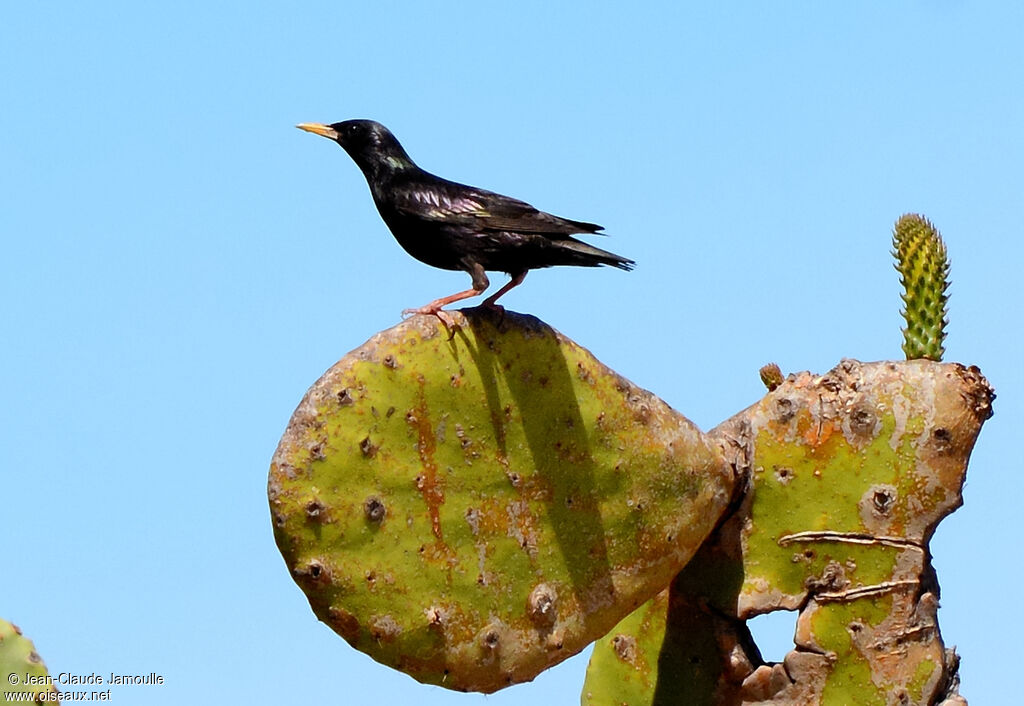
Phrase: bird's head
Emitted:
{"points": [[369, 143]]}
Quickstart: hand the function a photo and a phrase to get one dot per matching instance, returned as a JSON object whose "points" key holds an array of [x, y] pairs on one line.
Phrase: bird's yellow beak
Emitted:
{"points": [[318, 129]]}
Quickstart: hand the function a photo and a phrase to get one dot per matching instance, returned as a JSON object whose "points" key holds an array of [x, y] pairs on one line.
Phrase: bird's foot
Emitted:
{"points": [[428, 310], [496, 308]]}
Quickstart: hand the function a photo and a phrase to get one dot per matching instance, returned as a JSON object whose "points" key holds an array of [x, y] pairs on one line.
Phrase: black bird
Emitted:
{"points": [[459, 227]]}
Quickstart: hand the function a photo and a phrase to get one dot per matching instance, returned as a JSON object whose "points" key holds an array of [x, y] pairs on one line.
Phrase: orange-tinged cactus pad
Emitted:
{"points": [[475, 508], [849, 474]]}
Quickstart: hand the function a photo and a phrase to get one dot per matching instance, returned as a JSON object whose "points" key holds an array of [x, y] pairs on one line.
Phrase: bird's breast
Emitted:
{"points": [[429, 242]]}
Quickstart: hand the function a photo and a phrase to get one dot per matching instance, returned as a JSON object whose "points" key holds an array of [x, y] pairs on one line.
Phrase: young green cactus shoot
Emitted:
{"points": [[924, 273]]}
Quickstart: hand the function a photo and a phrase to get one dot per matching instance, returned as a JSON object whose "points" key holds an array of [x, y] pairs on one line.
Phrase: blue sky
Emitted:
{"points": [[180, 264]]}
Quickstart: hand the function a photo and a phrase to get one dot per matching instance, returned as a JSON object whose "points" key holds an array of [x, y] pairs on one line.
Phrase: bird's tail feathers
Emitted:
{"points": [[589, 256], [585, 227]]}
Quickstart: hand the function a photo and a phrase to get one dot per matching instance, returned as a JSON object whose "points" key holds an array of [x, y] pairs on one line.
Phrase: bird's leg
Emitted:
{"points": [[517, 279], [435, 308]]}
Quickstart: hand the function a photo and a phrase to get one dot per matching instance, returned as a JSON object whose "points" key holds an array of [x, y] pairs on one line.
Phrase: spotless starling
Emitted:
{"points": [[459, 227]]}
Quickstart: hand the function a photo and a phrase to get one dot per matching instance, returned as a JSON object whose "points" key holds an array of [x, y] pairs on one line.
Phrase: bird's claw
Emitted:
{"points": [[441, 314]]}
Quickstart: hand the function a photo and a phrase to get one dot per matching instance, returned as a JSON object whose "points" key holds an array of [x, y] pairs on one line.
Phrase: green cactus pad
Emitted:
{"points": [[668, 635], [924, 271], [850, 473], [474, 509], [21, 669], [623, 668]]}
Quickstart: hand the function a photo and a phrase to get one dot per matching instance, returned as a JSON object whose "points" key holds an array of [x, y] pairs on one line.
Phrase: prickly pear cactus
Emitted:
{"points": [[473, 509], [849, 472], [21, 669]]}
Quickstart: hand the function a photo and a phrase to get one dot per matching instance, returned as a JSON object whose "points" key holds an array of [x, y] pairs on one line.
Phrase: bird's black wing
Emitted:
{"points": [[481, 210]]}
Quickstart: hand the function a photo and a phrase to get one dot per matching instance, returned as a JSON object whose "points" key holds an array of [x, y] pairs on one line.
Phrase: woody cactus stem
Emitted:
{"points": [[850, 472], [924, 271]]}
